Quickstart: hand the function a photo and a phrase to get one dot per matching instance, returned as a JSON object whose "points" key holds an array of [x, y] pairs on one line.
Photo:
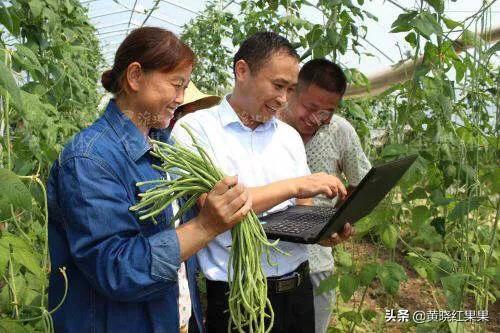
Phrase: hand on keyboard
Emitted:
{"points": [[319, 183]]}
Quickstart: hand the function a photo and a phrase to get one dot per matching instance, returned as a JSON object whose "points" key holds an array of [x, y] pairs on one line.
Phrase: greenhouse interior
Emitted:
{"points": [[99, 235]]}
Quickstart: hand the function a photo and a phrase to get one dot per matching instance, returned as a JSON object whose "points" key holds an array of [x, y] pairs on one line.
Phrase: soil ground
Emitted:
{"points": [[414, 294]]}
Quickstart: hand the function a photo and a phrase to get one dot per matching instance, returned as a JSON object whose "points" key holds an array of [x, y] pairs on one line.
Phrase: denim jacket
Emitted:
{"points": [[122, 272]]}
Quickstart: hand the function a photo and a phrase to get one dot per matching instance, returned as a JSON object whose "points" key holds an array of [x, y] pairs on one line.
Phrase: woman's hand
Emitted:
{"points": [[319, 183], [224, 206]]}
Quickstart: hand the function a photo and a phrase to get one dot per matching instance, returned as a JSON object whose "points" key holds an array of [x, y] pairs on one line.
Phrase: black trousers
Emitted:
{"points": [[293, 310]]}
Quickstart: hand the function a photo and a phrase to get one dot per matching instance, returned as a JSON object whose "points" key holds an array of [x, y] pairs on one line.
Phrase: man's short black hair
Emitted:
{"points": [[323, 73], [258, 48]]}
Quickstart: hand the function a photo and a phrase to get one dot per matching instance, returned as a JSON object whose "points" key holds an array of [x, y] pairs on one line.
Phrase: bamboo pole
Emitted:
{"points": [[404, 71]]}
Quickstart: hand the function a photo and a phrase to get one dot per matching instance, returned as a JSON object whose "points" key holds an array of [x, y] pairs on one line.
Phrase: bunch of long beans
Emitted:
{"points": [[249, 307]]}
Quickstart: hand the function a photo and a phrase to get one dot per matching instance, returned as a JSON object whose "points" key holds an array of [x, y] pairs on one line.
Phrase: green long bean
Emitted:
{"points": [[196, 173]]}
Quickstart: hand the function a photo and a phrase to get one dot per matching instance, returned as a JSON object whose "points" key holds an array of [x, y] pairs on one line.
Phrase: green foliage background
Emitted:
{"points": [[48, 90]]}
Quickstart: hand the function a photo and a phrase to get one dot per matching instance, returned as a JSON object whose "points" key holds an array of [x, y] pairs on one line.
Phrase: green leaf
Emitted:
{"points": [[333, 37], [402, 22], [4, 255], [453, 286], [421, 70], [15, 241], [368, 273], [370, 15], [411, 38], [5, 303], [419, 265], [69, 6], [7, 326], [347, 287], [26, 57], [460, 69], [294, 20], [53, 4], [465, 207], [8, 82], [357, 112], [29, 260], [328, 284], [389, 236], [438, 5], [450, 24], [369, 314], [391, 274], [426, 24], [438, 199], [419, 215], [493, 273], [314, 35], [9, 20], [491, 180], [418, 193], [443, 264], [36, 7], [13, 192], [439, 225], [394, 149], [51, 17], [343, 257], [352, 316], [427, 236], [492, 50], [448, 50]]}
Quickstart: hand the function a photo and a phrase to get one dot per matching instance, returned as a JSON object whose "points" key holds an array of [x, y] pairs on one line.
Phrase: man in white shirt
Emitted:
{"points": [[245, 139], [332, 146]]}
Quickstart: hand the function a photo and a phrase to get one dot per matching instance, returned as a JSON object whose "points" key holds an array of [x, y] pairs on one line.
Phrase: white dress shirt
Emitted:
{"points": [[271, 152]]}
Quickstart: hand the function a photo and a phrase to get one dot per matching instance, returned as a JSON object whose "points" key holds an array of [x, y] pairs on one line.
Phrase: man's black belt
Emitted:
{"points": [[276, 284], [289, 281]]}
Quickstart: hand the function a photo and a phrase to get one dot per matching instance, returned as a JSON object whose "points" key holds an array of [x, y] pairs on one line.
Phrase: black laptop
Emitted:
{"points": [[311, 224]]}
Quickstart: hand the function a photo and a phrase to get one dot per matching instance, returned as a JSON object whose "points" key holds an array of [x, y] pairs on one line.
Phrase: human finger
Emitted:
{"points": [[233, 193], [328, 191], [236, 202], [341, 190], [346, 231], [242, 212], [223, 185], [201, 200]]}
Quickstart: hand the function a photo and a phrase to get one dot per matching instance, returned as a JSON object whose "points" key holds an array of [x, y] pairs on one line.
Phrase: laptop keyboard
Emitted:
{"points": [[299, 223]]}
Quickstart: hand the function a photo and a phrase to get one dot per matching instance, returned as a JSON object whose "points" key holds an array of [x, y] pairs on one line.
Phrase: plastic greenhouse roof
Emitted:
{"points": [[114, 19]]}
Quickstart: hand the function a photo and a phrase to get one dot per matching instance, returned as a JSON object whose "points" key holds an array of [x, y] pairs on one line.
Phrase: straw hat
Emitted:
{"points": [[198, 100]]}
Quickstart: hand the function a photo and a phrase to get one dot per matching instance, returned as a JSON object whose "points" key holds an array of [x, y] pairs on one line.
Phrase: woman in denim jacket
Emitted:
{"points": [[124, 275]]}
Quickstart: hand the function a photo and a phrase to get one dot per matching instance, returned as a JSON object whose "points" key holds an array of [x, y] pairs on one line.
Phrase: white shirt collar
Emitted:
{"points": [[227, 116]]}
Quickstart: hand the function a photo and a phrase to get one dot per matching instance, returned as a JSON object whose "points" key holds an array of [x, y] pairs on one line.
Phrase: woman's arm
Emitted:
{"points": [[105, 238], [224, 206]]}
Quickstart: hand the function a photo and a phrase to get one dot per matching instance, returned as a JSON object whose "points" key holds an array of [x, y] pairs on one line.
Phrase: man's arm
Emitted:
{"points": [[267, 196], [302, 188]]}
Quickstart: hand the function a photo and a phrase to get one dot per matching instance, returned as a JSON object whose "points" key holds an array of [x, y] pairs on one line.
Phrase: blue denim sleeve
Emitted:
{"points": [[105, 238]]}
